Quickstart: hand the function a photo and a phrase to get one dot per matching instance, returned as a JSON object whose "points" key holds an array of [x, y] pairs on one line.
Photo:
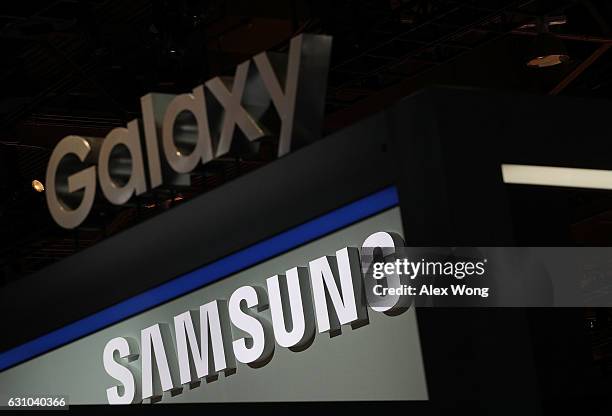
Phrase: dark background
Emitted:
{"points": [[80, 68]]}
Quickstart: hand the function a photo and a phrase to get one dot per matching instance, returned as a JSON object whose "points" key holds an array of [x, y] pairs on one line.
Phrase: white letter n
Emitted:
{"points": [[325, 275]]}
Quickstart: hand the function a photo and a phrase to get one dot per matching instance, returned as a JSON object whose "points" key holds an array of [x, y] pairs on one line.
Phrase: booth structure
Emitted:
{"points": [[428, 167]]}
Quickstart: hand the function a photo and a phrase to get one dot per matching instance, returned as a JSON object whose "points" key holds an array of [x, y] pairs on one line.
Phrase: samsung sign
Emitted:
{"points": [[327, 294], [178, 133], [288, 318]]}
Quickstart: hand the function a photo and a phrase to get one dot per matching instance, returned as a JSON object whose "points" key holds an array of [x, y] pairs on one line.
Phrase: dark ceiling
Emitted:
{"points": [[79, 67]]}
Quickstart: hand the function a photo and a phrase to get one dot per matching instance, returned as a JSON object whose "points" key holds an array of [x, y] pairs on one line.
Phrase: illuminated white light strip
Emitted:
{"points": [[555, 176]]}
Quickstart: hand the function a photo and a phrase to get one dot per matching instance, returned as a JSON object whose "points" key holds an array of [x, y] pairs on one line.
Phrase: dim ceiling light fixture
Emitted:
{"points": [[549, 20], [38, 186], [547, 50]]}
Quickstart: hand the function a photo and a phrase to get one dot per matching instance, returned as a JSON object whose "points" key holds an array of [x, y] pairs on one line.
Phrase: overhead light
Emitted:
{"points": [[549, 20], [557, 176], [38, 186], [557, 20]]}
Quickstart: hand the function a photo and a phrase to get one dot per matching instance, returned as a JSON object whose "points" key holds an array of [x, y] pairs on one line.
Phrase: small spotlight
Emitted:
{"points": [[38, 186]]}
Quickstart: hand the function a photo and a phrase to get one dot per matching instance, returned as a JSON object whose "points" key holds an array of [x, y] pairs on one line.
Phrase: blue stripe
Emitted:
{"points": [[219, 269]]}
